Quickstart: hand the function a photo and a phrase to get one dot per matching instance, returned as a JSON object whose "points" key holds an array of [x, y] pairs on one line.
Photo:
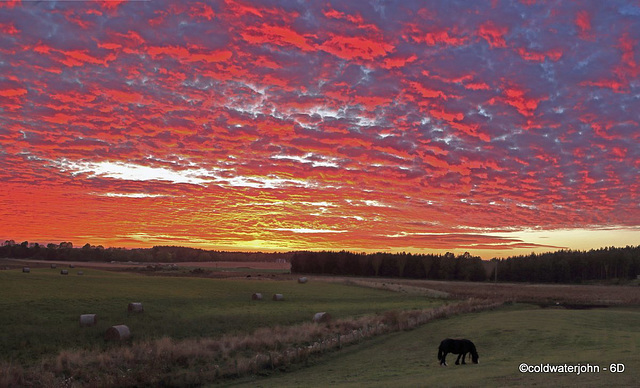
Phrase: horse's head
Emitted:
{"points": [[474, 357]]}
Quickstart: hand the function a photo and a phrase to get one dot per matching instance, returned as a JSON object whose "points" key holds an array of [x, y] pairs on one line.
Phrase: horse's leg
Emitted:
{"points": [[463, 356], [444, 359], [458, 359]]}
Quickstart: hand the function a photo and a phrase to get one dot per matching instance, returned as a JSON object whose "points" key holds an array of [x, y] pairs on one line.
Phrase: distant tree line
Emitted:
{"points": [[565, 266], [65, 251], [569, 266], [404, 265]]}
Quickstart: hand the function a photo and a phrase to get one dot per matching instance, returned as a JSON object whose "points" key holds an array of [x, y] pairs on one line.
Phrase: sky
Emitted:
{"points": [[494, 127]]}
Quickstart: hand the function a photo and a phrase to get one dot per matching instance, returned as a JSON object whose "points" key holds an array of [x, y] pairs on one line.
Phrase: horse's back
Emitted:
{"points": [[446, 343], [456, 345], [468, 344]]}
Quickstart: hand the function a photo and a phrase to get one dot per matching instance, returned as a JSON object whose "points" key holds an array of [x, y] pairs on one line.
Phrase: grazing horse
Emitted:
{"points": [[460, 347]]}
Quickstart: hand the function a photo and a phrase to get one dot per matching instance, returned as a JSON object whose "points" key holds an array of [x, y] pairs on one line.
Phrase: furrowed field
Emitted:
{"points": [[197, 331]]}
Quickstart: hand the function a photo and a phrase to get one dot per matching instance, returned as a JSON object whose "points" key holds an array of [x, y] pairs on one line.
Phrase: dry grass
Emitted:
{"points": [[196, 361]]}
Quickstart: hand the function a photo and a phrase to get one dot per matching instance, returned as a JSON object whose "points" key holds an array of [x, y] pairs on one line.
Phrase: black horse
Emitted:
{"points": [[460, 347]]}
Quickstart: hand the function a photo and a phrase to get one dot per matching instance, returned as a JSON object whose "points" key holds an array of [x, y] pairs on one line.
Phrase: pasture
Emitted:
{"points": [[190, 323], [41, 309], [505, 338]]}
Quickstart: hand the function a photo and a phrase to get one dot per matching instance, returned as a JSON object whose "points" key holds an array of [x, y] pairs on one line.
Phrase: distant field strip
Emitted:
{"points": [[547, 294]]}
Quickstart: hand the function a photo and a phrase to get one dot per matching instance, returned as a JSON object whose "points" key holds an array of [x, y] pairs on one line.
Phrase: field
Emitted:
{"points": [[572, 296], [505, 338], [199, 330], [41, 309]]}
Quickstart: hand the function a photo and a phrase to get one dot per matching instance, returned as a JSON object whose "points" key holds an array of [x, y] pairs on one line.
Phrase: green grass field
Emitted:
{"points": [[40, 313], [504, 338], [41, 309]]}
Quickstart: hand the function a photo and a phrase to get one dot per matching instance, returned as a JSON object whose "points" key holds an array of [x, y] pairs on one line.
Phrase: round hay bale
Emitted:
{"points": [[322, 317], [135, 307], [71, 266], [64, 272], [80, 273], [117, 333], [88, 319], [53, 266], [302, 280], [256, 296], [278, 297], [26, 269]]}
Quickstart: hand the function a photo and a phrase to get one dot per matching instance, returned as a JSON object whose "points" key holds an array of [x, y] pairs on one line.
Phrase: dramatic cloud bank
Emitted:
{"points": [[362, 125]]}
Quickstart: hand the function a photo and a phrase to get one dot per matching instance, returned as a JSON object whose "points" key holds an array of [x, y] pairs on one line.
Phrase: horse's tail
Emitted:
{"points": [[440, 353]]}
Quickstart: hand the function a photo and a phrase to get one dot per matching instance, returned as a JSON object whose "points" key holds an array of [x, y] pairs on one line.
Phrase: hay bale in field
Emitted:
{"points": [[302, 280], [64, 272], [53, 266], [80, 273], [256, 296], [135, 308], [278, 297], [322, 317], [26, 269], [88, 319], [71, 266], [117, 333]]}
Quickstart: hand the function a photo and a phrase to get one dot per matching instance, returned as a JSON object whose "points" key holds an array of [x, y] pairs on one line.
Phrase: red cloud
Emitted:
{"points": [[74, 98], [10, 3], [80, 57], [354, 47], [493, 34], [612, 84], [124, 97], [446, 37], [553, 55], [202, 10], [59, 118], [515, 97], [13, 92], [72, 58], [427, 92], [333, 14], [626, 45], [372, 102], [279, 36], [193, 54], [240, 9], [583, 22], [391, 63], [8, 28], [629, 67], [112, 4], [357, 19], [471, 130], [442, 115], [110, 46], [477, 86]]}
